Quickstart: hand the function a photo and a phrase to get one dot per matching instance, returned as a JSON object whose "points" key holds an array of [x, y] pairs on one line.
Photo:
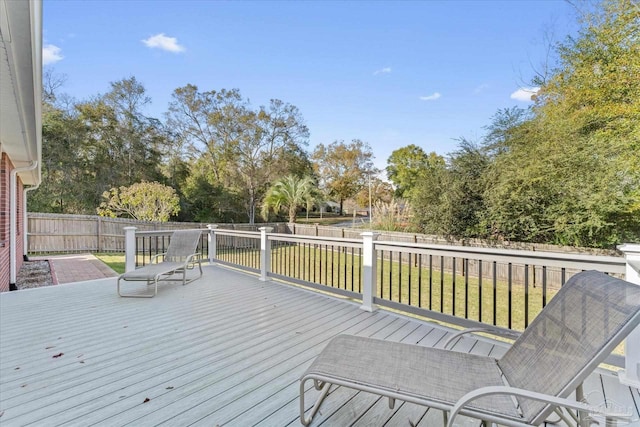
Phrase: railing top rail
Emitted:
{"points": [[229, 232], [505, 251], [555, 259], [165, 232], [300, 238]]}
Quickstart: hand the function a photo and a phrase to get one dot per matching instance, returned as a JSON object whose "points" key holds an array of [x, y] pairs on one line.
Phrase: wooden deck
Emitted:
{"points": [[224, 350]]}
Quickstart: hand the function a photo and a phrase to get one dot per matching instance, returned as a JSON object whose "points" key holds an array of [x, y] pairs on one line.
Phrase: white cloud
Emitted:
{"points": [[160, 41], [431, 97], [481, 88], [524, 94], [385, 70], [51, 53]]}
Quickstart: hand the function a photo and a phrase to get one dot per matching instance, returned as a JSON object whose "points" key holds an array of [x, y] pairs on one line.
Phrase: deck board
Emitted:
{"points": [[227, 349]]}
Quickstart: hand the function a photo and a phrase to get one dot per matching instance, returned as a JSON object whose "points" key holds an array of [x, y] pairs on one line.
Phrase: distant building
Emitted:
{"points": [[329, 206], [20, 126]]}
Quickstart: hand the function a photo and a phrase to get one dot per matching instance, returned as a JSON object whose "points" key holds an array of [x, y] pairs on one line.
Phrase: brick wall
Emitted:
{"points": [[5, 168], [5, 272]]}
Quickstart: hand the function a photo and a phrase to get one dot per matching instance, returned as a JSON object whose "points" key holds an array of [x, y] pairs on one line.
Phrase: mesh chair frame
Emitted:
{"points": [[180, 257], [618, 300]]}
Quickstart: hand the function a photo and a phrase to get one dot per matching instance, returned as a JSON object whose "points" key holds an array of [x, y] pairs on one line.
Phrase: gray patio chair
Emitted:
{"points": [[180, 257], [576, 331]]}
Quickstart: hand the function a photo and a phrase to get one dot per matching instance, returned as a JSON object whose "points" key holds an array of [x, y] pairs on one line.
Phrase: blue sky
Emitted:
{"points": [[388, 73]]}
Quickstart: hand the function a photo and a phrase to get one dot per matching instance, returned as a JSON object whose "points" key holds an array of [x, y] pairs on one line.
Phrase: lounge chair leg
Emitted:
{"points": [[561, 417], [445, 418], [307, 420], [580, 398], [134, 296], [392, 402]]}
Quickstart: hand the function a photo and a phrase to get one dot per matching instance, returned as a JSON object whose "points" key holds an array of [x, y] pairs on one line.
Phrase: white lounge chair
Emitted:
{"points": [[574, 333], [180, 257]]}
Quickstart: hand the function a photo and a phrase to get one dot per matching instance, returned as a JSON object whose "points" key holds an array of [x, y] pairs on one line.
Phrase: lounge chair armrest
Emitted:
{"points": [[155, 258], [505, 333], [528, 394], [193, 257]]}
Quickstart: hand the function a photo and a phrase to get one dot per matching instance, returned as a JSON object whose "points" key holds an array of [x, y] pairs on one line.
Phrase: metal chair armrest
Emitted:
{"points": [[505, 333], [527, 394], [155, 258], [197, 257]]}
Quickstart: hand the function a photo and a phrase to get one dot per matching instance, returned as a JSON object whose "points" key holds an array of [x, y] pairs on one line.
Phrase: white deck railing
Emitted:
{"points": [[462, 285]]}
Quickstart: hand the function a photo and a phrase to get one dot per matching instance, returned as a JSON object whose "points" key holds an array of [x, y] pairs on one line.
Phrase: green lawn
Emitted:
{"points": [[416, 285], [115, 261], [327, 219], [412, 285], [436, 292], [465, 297]]}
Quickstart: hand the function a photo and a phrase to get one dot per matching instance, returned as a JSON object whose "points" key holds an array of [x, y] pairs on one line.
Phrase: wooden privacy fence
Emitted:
{"points": [[58, 233], [533, 274]]}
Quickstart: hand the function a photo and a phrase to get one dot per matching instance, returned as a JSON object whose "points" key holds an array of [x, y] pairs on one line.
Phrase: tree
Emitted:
{"points": [[343, 168], [246, 148], [94, 145], [380, 191], [205, 123], [467, 167], [505, 129], [206, 200], [67, 185], [136, 141], [429, 200], [145, 201], [266, 138], [405, 167], [571, 173], [289, 193]]}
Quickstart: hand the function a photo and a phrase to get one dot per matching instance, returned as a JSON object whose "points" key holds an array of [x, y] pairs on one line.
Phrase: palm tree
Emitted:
{"points": [[289, 193]]}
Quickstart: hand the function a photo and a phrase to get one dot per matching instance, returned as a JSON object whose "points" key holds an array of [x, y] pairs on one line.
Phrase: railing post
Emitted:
{"points": [[369, 269], [129, 248], [212, 243], [265, 253], [631, 374]]}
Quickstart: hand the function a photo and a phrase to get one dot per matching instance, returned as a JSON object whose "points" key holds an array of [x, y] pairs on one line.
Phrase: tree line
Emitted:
{"points": [[212, 158], [565, 170]]}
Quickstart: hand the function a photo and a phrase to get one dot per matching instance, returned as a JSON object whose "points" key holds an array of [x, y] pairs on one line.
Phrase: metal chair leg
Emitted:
{"points": [[307, 420]]}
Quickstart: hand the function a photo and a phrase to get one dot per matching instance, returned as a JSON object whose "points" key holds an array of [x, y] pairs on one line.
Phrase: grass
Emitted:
{"points": [[461, 296], [415, 285], [114, 261], [327, 219], [436, 293]]}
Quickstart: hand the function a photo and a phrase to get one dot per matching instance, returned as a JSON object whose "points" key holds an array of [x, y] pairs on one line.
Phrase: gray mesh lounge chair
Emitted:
{"points": [[576, 331], [180, 256]]}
